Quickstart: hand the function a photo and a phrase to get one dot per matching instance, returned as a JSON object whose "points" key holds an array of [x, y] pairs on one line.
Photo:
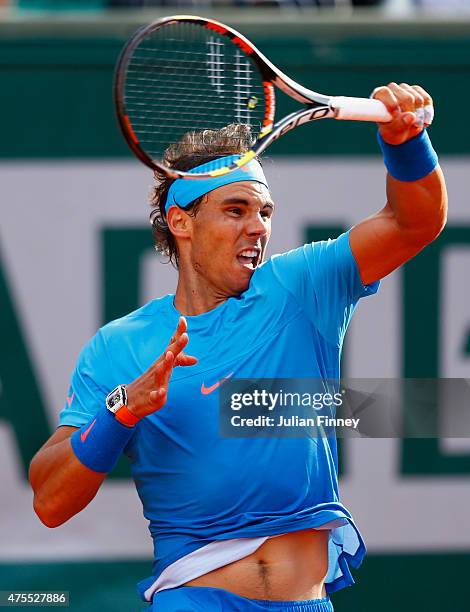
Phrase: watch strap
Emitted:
{"points": [[126, 417]]}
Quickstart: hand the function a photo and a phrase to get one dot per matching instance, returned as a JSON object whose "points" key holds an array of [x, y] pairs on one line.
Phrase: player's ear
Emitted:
{"points": [[179, 222]]}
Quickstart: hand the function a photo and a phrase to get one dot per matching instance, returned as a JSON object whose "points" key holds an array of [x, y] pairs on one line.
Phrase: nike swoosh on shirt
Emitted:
{"points": [[70, 399], [206, 390], [84, 435]]}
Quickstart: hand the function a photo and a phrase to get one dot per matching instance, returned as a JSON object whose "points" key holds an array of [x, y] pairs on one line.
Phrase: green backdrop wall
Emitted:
{"points": [[56, 103], [56, 89]]}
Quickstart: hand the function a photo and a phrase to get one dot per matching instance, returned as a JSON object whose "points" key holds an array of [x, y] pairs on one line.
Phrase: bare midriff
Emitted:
{"points": [[291, 566]]}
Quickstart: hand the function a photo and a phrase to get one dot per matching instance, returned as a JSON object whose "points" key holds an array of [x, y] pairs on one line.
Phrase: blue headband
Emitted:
{"points": [[184, 191]]}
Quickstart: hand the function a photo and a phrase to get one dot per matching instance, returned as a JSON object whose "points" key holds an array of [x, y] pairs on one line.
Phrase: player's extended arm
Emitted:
{"points": [[62, 484], [416, 210]]}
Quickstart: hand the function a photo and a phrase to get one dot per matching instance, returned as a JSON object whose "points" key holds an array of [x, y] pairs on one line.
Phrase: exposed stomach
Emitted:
{"points": [[292, 566]]}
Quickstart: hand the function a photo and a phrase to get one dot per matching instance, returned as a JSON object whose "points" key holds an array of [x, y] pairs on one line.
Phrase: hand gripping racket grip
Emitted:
{"points": [[359, 109]]}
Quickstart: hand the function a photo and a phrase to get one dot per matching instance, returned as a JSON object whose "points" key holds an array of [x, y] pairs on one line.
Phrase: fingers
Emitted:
{"points": [[405, 97], [411, 108], [158, 397], [427, 105], [166, 369], [411, 103], [180, 330], [148, 393], [179, 339], [163, 367], [185, 360], [386, 95], [177, 344]]}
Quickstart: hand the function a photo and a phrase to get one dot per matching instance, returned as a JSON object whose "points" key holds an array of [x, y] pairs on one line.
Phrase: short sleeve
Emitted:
{"points": [[91, 382], [324, 278]]}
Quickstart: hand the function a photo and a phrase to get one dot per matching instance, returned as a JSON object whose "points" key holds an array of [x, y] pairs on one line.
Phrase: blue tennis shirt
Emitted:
{"points": [[195, 486]]}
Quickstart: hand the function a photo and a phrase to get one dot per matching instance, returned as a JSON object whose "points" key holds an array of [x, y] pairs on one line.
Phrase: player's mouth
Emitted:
{"points": [[249, 258]]}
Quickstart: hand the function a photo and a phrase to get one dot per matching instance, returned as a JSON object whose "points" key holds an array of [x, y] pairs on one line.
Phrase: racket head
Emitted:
{"points": [[182, 74]]}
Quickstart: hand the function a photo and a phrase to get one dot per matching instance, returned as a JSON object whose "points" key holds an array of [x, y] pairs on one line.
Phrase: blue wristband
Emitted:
{"points": [[100, 443], [411, 160]]}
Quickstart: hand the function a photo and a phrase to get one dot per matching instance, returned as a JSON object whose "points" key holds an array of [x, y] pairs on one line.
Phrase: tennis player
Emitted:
{"points": [[238, 524]]}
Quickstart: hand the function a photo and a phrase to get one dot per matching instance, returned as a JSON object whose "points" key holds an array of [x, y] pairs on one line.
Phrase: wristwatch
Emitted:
{"points": [[116, 402]]}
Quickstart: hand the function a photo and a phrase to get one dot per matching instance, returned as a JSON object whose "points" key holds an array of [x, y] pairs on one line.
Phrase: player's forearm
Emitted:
{"points": [[62, 485], [419, 207]]}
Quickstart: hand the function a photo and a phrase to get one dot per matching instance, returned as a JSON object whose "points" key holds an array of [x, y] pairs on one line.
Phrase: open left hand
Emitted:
{"points": [[148, 393], [411, 108]]}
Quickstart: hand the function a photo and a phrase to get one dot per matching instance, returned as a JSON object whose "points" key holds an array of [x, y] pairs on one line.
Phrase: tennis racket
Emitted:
{"points": [[183, 73]]}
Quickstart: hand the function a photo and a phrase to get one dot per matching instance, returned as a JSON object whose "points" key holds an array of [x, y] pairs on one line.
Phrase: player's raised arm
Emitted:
{"points": [[416, 208], [68, 470]]}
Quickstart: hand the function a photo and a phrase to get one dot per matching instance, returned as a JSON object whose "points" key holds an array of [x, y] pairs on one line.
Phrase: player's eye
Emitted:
{"points": [[236, 211], [266, 213]]}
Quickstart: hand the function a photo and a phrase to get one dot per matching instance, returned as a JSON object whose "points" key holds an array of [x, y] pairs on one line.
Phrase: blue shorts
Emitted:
{"points": [[209, 599]]}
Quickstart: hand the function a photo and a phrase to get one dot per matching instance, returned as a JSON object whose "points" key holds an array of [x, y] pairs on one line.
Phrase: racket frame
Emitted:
{"points": [[316, 106]]}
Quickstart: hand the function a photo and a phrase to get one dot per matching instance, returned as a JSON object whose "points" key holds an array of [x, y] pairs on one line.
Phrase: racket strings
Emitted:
{"points": [[184, 77]]}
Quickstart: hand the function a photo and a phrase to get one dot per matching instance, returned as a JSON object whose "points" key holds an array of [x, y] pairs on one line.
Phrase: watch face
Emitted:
{"points": [[116, 399]]}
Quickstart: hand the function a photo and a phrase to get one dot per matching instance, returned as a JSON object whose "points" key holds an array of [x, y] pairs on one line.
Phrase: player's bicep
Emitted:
{"points": [[380, 245]]}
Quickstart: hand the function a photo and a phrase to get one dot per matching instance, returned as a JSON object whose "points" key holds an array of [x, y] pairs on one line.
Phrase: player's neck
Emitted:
{"points": [[194, 296]]}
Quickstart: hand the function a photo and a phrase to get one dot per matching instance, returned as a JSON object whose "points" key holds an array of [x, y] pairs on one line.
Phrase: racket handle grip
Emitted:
{"points": [[359, 109]]}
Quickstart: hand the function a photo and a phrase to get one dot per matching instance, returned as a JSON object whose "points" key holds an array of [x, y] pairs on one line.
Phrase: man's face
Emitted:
{"points": [[229, 235]]}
